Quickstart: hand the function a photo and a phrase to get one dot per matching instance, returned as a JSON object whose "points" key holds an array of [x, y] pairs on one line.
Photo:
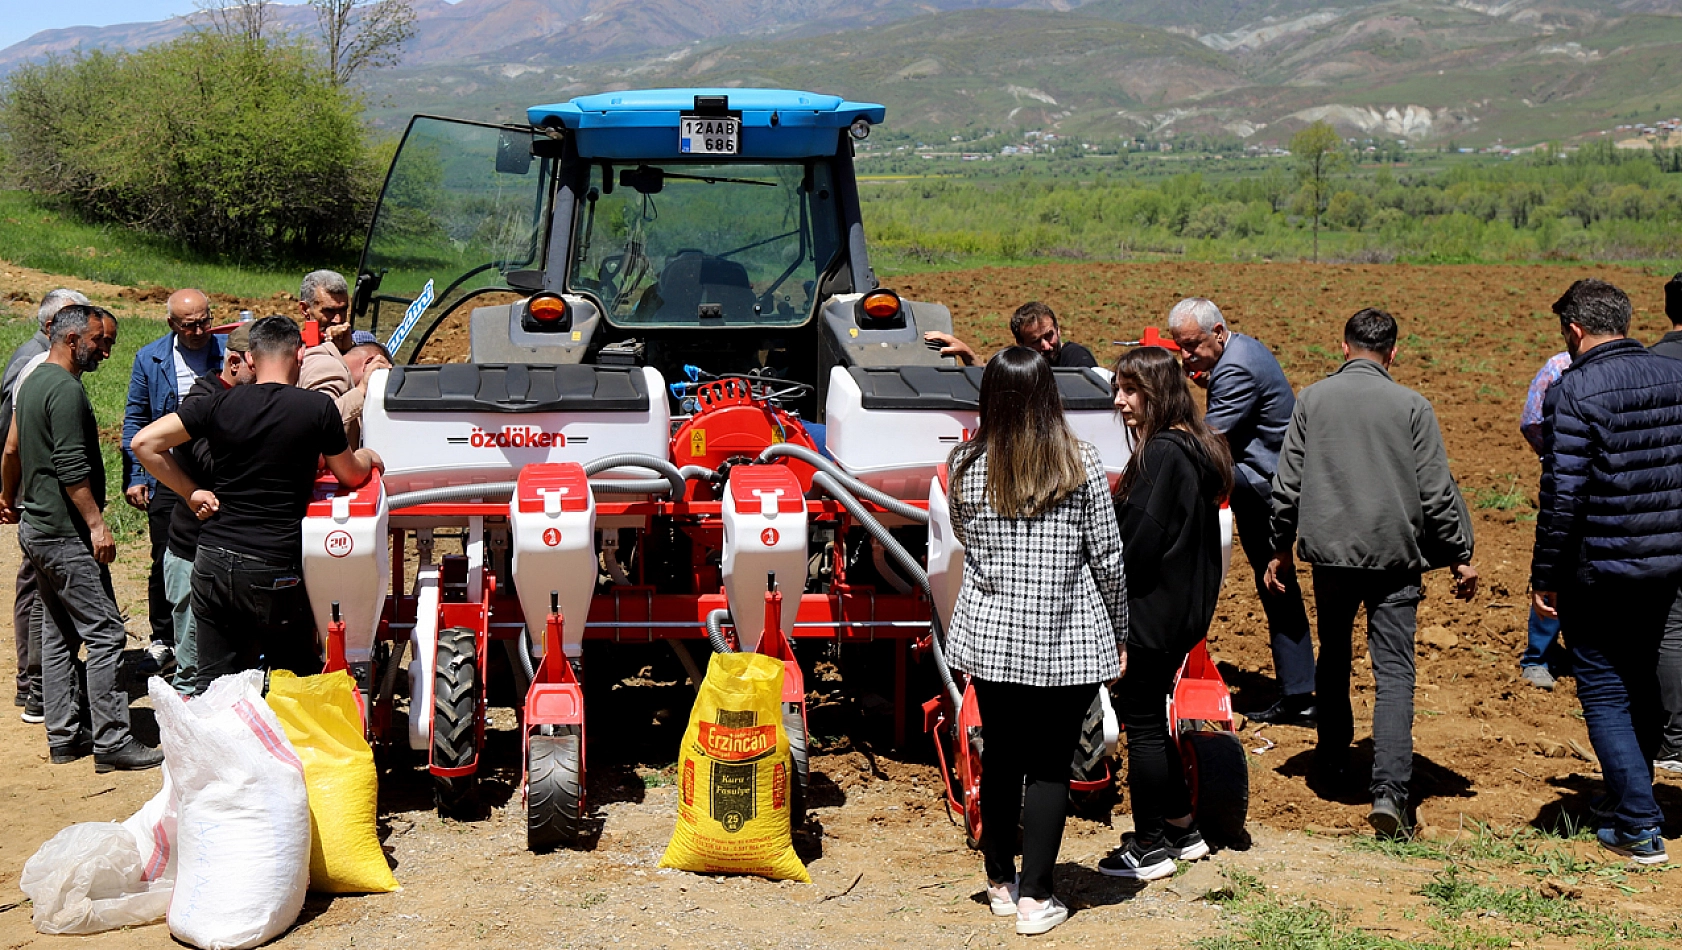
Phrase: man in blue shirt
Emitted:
{"points": [[164, 370], [1250, 402]]}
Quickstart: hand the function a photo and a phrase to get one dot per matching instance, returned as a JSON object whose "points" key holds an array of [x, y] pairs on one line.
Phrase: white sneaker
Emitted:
{"points": [[1538, 676], [1003, 898], [1038, 917]]}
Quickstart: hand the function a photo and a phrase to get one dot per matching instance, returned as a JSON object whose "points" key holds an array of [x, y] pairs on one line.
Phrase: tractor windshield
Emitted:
{"points": [[679, 245]]}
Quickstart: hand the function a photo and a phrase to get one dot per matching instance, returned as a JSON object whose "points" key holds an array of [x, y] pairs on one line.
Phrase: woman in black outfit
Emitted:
{"points": [[1168, 506]]}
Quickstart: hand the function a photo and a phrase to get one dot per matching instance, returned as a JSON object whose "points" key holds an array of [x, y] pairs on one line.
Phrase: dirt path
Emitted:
{"points": [[888, 868]]}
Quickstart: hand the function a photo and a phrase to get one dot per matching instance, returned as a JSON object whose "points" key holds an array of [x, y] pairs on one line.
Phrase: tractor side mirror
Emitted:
{"points": [[644, 179], [513, 152]]}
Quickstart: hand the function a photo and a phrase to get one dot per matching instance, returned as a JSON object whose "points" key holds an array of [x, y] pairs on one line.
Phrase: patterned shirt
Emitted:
{"points": [[1044, 600], [1530, 421]]}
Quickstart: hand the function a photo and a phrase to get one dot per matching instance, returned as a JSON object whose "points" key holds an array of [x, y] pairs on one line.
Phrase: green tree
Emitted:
{"points": [[1318, 153], [231, 145], [362, 34]]}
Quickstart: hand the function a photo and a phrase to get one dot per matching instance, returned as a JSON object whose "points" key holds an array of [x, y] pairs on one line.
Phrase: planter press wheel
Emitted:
{"points": [[554, 788], [971, 752], [455, 710], [1090, 765], [1219, 777], [794, 723]]}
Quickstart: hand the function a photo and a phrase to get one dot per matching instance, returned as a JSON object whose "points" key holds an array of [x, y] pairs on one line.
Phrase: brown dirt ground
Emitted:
{"points": [[887, 866]]}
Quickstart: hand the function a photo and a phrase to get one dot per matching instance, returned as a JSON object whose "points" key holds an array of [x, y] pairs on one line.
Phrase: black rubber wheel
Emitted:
{"points": [[1090, 764], [554, 789], [1219, 775], [976, 746], [800, 770], [455, 705]]}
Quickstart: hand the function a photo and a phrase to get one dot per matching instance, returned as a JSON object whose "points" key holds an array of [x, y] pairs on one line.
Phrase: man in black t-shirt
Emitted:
{"points": [[1034, 326], [249, 604]]}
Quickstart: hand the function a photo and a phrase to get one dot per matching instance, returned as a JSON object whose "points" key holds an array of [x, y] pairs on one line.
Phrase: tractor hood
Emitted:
{"points": [[643, 124]]}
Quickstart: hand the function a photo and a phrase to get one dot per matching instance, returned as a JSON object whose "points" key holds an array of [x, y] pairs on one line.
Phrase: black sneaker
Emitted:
{"points": [[1182, 844], [1298, 710], [132, 757], [22, 697], [75, 751], [33, 710], [1389, 818], [1148, 863]]}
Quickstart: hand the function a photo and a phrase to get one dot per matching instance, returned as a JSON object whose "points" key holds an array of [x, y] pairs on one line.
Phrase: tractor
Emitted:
{"points": [[646, 388]]}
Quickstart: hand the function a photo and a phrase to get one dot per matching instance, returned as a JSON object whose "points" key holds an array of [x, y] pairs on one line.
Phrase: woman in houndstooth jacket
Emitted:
{"points": [[1041, 618]]}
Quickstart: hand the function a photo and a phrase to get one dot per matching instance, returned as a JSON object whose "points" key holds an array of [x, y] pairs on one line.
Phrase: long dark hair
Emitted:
{"points": [[1167, 404], [1033, 460]]}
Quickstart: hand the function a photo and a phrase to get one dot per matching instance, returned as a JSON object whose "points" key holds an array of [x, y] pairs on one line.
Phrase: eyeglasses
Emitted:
{"points": [[192, 326]]}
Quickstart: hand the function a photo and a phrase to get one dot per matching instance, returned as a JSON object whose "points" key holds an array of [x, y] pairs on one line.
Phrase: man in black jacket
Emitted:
{"points": [[1671, 343], [1608, 557], [183, 542], [1364, 490]]}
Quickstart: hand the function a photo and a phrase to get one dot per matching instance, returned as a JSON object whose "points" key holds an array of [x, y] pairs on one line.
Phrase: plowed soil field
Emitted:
{"points": [[889, 868]]}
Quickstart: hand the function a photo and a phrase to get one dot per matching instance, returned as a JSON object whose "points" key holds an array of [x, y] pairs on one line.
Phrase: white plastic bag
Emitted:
{"points": [[89, 878], [153, 827], [242, 849]]}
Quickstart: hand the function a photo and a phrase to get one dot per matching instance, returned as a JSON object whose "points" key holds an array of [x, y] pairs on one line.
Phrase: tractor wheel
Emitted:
{"points": [[455, 708], [800, 775], [554, 789], [1219, 776], [972, 802], [1090, 764]]}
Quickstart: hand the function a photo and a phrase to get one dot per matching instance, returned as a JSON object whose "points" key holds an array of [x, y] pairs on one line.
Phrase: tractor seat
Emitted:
{"points": [[692, 278]]}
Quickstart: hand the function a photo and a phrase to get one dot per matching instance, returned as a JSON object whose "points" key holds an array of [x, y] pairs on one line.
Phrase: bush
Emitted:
{"points": [[230, 146]]}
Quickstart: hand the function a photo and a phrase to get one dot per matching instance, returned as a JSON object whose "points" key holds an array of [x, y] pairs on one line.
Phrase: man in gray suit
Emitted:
{"points": [[1250, 402]]}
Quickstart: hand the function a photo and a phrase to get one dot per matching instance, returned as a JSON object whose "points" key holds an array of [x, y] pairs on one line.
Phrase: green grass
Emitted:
{"points": [[1501, 498], [1467, 906], [38, 234], [108, 391]]}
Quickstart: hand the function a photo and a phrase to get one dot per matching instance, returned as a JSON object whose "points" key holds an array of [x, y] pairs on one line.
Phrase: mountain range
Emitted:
{"points": [[1425, 71]]}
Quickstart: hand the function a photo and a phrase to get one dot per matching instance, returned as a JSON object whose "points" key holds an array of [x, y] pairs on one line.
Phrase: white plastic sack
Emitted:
{"points": [[89, 878], [243, 842], [153, 827]]}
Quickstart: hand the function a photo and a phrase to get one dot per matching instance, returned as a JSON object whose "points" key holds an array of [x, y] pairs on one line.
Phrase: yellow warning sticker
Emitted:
{"points": [[852, 331], [778, 435], [697, 442], [577, 335]]}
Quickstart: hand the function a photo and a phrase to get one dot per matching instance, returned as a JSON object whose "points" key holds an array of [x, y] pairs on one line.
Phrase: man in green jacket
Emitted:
{"points": [[53, 478], [1364, 491]]}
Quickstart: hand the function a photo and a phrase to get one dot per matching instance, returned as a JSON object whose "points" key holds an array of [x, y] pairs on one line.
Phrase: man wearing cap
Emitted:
{"points": [[164, 370], [194, 457]]}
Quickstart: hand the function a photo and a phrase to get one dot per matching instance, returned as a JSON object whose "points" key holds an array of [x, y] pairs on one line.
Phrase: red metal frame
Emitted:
{"points": [[1200, 700], [556, 698]]}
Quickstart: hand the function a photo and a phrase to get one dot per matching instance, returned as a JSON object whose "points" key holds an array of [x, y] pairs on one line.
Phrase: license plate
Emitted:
{"points": [[704, 135]]}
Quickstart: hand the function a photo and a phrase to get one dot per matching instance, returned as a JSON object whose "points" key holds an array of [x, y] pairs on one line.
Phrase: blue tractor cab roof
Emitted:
{"points": [[642, 124]]}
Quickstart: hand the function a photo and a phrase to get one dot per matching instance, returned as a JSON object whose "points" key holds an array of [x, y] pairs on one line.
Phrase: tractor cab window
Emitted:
{"points": [[680, 245]]}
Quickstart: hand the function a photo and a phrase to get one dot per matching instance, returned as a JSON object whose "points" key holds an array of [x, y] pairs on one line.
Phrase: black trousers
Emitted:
{"points": [[250, 614], [1029, 734], [1391, 599], [29, 649], [159, 612], [1155, 776], [1287, 621]]}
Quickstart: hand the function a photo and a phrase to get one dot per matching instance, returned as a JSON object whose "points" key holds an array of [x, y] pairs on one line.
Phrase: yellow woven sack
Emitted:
{"points": [[733, 775], [320, 718]]}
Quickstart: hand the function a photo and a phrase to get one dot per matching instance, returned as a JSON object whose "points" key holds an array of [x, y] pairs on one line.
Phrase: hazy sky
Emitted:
{"points": [[20, 19]]}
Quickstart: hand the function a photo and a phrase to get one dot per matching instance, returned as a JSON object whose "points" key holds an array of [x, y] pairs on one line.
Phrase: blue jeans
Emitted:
{"points": [[1543, 649], [1614, 631]]}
